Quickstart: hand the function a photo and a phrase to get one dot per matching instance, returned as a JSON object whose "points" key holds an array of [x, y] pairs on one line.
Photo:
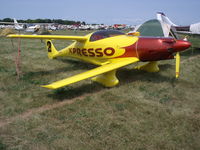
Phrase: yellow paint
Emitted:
{"points": [[177, 64]]}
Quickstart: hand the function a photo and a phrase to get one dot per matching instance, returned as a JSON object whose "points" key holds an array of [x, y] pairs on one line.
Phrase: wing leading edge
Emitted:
{"points": [[57, 37], [117, 63]]}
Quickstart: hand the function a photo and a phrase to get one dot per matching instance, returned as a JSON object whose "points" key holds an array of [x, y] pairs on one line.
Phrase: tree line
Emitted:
{"points": [[59, 21]]}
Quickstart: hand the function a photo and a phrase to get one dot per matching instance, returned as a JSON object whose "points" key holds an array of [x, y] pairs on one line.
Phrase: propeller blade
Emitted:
{"points": [[177, 64]]}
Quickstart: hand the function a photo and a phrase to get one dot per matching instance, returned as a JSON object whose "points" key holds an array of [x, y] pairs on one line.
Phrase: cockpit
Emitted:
{"points": [[104, 34]]}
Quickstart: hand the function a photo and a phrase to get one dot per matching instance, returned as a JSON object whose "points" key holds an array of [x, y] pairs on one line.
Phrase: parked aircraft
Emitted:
{"points": [[193, 29], [111, 50], [24, 27], [17, 26]]}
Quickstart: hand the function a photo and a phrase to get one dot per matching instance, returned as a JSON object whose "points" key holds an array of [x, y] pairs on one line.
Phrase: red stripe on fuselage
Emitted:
{"points": [[154, 48], [130, 51]]}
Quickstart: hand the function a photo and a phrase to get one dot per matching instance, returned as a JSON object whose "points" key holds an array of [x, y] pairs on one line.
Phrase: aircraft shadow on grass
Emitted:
{"points": [[75, 64]]}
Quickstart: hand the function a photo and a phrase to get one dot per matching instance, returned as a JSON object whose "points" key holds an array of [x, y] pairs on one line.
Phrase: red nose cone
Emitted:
{"points": [[181, 45]]}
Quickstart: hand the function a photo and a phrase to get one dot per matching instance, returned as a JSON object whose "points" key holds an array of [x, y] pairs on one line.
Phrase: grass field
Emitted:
{"points": [[146, 111]]}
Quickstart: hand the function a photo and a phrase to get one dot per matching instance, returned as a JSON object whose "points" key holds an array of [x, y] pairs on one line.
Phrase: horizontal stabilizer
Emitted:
{"points": [[188, 33], [117, 63], [55, 37]]}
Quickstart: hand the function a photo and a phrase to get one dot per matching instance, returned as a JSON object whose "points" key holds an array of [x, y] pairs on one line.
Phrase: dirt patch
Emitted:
{"points": [[42, 109]]}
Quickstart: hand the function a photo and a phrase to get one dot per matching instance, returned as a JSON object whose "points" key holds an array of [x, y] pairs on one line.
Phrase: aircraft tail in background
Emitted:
{"points": [[15, 22], [17, 26], [163, 18], [192, 29]]}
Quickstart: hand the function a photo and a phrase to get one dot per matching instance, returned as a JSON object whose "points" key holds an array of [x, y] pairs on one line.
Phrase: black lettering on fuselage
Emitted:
{"points": [[91, 52], [49, 46], [98, 52]]}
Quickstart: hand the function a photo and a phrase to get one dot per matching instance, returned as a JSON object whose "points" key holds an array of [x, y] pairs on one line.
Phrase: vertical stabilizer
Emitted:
{"points": [[15, 22], [52, 52], [163, 18], [17, 26]]}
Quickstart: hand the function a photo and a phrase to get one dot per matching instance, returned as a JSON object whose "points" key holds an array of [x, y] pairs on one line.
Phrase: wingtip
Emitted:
{"points": [[13, 35], [9, 35], [48, 87]]}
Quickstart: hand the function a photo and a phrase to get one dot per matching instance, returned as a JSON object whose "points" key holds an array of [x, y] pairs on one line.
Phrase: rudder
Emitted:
{"points": [[163, 18]]}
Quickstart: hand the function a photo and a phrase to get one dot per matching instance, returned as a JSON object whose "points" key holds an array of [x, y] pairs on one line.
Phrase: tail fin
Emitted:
{"points": [[15, 22], [52, 52], [163, 18], [17, 26]]}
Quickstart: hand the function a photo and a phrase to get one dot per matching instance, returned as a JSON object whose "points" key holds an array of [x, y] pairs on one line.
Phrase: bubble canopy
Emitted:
{"points": [[99, 35]]}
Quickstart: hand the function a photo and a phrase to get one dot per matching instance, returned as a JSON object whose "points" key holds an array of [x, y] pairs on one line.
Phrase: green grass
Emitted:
{"points": [[146, 111]]}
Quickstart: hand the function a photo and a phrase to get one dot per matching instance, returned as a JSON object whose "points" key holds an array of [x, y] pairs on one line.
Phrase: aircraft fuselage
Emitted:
{"points": [[122, 46]]}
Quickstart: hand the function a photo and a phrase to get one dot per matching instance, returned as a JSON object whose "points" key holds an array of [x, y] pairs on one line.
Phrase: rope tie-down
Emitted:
{"points": [[18, 58]]}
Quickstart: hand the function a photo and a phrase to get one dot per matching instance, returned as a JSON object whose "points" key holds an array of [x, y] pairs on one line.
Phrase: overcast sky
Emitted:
{"points": [[181, 12]]}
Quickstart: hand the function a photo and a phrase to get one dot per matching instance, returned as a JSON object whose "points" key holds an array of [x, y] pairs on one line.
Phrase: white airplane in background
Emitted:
{"points": [[17, 26], [193, 29], [22, 27]]}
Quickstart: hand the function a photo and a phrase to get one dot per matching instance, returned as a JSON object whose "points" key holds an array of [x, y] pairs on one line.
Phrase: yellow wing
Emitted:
{"points": [[58, 37], [117, 63]]}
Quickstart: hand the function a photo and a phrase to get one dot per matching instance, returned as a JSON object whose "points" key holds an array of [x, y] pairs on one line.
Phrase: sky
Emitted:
{"points": [[132, 12]]}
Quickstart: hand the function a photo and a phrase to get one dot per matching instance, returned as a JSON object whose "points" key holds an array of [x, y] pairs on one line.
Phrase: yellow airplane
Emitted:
{"points": [[110, 50]]}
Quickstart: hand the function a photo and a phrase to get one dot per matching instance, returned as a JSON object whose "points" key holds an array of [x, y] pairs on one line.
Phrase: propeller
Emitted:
{"points": [[178, 58], [171, 30]]}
